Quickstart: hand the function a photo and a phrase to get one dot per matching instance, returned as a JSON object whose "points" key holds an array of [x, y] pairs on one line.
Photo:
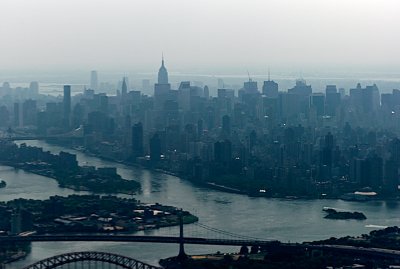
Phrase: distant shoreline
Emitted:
{"points": [[215, 186]]}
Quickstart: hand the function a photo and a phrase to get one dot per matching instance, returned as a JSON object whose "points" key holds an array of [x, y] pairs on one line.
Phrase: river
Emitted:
{"points": [[281, 219]]}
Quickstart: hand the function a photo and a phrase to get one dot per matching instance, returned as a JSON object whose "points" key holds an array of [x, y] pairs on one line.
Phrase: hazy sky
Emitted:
{"points": [[124, 34]]}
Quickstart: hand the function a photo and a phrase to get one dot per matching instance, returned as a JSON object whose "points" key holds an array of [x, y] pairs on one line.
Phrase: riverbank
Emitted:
{"points": [[82, 214], [232, 188], [12, 256], [274, 218], [65, 170]]}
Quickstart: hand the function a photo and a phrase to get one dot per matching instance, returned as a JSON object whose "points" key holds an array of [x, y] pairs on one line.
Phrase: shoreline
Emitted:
{"points": [[70, 187], [16, 257], [214, 186]]}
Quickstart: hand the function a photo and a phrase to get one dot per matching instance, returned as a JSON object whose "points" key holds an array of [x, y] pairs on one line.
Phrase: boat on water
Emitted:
{"points": [[3, 184], [224, 188]]}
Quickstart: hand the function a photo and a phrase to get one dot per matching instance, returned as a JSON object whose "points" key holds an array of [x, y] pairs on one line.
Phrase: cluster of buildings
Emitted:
{"points": [[85, 213], [258, 138], [64, 168]]}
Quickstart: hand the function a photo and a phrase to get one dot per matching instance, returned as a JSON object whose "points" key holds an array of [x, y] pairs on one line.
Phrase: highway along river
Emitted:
{"points": [[281, 219]]}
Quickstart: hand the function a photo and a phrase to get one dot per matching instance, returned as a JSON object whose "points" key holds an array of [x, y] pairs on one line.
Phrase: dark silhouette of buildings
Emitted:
{"points": [[67, 106], [294, 142], [155, 148], [137, 139], [270, 89]]}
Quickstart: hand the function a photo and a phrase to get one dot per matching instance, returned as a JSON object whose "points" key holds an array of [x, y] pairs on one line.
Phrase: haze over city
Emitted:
{"points": [[206, 36], [183, 134]]}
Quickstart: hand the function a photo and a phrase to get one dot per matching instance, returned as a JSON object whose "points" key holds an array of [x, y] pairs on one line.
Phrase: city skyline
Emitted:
{"points": [[236, 133]]}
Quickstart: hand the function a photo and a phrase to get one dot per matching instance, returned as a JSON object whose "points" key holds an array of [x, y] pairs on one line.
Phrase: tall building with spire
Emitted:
{"points": [[162, 88], [124, 91], [162, 73], [270, 88]]}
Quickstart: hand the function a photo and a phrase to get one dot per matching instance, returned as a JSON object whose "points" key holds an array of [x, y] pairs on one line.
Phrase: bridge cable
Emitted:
{"points": [[226, 233]]}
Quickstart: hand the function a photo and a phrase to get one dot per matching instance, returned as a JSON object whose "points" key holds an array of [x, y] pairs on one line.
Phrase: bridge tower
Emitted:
{"points": [[182, 255]]}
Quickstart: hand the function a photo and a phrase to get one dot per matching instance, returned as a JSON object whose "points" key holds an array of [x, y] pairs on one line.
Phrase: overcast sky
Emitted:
{"points": [[123, 34]]}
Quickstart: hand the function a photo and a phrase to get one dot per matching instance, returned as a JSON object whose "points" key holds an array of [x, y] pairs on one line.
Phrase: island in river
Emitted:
{"points": [[82, 214], [87, 213], [336, 214], [65, 169]]}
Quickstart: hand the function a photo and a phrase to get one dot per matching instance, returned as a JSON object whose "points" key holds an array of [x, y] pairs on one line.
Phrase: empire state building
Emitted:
{"points": [[162, 74], [162, 88]]}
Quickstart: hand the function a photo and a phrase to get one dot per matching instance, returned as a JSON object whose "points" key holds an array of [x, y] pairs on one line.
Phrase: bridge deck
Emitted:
{"points": [[372, 252], [134, 238]]}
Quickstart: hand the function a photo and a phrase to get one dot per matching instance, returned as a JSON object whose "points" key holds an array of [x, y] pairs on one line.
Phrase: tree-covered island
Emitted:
{"points": [[86, 213]]}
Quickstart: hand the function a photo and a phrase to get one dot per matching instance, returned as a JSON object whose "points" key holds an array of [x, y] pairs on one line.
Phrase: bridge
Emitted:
{"points": [[103, 257], [33, 137], [227, 239], [14, 135], [377, 253], [136, 238]]}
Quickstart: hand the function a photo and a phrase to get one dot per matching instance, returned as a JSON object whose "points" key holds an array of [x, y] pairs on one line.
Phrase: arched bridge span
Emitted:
{"points": [[59, 260]]}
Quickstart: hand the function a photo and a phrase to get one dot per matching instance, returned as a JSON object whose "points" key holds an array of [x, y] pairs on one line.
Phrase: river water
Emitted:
{"points": [[281, 219]]}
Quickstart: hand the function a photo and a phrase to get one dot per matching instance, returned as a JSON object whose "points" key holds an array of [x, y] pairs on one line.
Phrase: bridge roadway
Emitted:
{"points": [[136, 238], [366, 252]]}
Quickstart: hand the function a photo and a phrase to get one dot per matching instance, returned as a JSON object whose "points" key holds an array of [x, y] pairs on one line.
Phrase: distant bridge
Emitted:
{"points": [[103, 257], [13, 135], [378, 253], [18, 138]]}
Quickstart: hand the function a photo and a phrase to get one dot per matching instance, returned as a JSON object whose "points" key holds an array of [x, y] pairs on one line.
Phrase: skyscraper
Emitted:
{"points": [[301, 88], [332, 99], [162, 88], [137, 139], [226, 125], [124, 88], [250, 87], [206, 92], [29, 112], [34, 88], [155, 148], [317, 102], [270, 88], [67, 105], [17, 115], [162, 73], [93, 80]]}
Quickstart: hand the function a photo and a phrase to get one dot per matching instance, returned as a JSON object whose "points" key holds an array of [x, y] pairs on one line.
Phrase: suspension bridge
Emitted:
{"points": [[212, 236], [209, 236], [205, 235]]}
